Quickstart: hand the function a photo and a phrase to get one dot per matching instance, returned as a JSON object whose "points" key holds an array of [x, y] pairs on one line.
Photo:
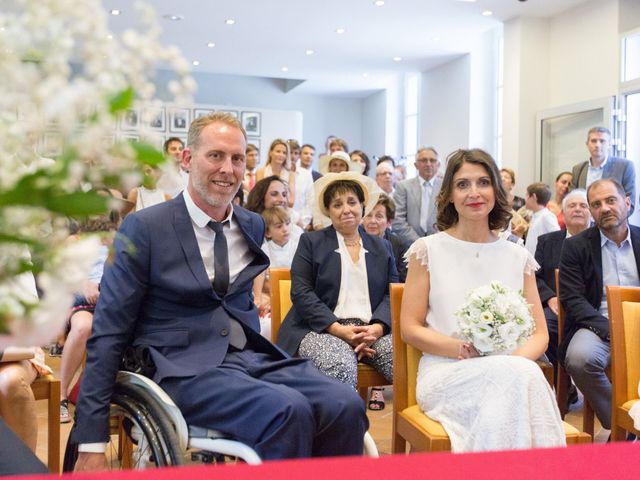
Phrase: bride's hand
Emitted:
{"points": [[467, 350]]}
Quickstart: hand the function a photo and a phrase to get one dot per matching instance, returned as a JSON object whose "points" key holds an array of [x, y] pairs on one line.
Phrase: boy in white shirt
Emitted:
{"points": [[543, 220]]}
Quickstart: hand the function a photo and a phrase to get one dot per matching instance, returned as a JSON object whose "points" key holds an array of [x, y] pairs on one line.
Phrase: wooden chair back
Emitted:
{"points": [[280, 299]]}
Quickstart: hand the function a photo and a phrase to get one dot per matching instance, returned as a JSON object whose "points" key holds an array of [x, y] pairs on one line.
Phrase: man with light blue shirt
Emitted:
{"points": [[607, 254], [601, 165]]}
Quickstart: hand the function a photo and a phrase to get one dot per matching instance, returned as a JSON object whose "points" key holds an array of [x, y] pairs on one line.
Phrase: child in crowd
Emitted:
{"points": [[78, 327], [281, 242]]}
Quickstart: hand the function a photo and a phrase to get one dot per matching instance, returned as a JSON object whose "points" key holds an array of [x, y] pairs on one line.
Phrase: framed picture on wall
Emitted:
{"points": [[251, 123], [154, 117], [201, 112], [128, 137], [254, 141], [52, 144], [130, 120], [232, 112], [179, 120]]}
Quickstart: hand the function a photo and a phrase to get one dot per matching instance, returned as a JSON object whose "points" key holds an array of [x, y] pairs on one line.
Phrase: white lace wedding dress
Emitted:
{"points": [[487, 403]]}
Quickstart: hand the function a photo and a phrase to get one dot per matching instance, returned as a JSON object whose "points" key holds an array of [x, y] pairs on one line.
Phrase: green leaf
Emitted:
{"points": [[78, 204], [147, 154], [121, 101]]}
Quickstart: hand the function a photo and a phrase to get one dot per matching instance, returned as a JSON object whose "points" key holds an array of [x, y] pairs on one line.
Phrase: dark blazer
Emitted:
{"points": [[157, 294], [315, 175], [619, 169], [399, 248], [581, 283], [315, 284], [548, 257]]}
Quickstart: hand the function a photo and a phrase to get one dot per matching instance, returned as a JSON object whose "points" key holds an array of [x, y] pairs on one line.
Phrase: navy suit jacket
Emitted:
{"points": [[157, 294], [548, 257], [581, 283], [315, 284], [619, 169]]}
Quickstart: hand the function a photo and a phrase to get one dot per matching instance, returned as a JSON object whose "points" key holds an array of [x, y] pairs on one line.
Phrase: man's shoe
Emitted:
{"points": [[65, 417]]}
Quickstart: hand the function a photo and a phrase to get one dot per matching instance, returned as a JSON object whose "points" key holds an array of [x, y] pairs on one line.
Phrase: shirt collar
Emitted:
{"points": [[604, 239], [430, 182], [200, 218], [601, 165]]}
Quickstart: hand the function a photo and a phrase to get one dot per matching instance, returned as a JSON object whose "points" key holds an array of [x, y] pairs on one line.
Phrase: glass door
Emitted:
{"points": [[630, 141]]}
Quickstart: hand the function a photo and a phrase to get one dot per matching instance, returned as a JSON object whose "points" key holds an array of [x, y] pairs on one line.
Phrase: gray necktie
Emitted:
{"points": [[425, 206], [237, 338]]}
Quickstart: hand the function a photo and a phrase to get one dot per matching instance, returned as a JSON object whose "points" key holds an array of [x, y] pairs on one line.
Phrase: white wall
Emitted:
{"points": [[374, 115], [583, 53], [321, 115], [444, 109]]}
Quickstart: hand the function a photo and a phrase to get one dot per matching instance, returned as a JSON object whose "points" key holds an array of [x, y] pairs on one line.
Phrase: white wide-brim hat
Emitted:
{"points": [[369, 187], [340, 155]]}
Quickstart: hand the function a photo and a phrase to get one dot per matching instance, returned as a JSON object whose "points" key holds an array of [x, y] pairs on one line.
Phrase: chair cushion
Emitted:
{"points": [[570, 430], [627, 405], [417, 416]]}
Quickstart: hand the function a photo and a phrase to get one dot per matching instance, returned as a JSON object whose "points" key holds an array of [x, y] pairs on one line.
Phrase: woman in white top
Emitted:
{"points": [[143, 197], [340, 285], [484, 403], [278, 164]]}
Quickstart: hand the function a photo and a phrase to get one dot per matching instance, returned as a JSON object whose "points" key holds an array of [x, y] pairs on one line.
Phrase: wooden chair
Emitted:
{"points": [[410, 424], [563, 381], [624, 327], [280, 279], [48, 388]]}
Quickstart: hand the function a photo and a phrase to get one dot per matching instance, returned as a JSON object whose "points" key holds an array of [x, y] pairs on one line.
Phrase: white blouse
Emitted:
{"points": [[355, 282]]}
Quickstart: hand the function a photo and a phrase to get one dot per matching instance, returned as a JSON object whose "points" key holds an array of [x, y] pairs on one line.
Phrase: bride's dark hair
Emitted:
{"points": [[499, 217]]}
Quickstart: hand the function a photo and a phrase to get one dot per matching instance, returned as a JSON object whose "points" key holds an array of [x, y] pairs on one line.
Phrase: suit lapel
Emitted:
{"points": [[372, 260], [187, 238], [635, 243], [596, 251]]}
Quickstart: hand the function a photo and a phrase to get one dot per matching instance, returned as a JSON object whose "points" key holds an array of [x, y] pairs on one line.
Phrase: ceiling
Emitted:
{"points": [[270, 35]]}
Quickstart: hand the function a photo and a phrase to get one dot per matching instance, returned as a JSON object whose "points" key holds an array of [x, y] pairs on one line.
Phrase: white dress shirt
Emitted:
{"points": [[353, 299], [543, 221]]}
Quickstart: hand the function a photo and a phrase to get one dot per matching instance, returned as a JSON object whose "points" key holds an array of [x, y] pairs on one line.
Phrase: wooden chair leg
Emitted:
{"points": [[398, 444], [53, 435], [562, 391], [364, 394], [588, 418], [618, 434]]}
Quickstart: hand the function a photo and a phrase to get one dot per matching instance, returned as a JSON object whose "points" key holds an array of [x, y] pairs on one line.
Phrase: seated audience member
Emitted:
{"points": [[385, 177], [337, 145], [143, 197], [271, 192], [280, 244], [340, 310], [606, 254], [542, 221], [415, 198], [279, 164], [386, 159], [360, 157], [378, 223], [193, 262], [492, 402], [336, 162], [601, 165], [577, 217], [78, 327], [19, 367], [304, 186], [253, 158], [508, 178], [306, 160], [562, 187], [175, 177]]}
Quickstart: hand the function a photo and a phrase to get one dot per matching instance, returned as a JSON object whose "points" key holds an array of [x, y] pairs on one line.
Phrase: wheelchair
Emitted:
{"points": [[148, 431]]}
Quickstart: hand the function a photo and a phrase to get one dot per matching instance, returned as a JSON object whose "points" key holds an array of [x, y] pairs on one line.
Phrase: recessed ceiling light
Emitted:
{"points": [[115, 11], [365, 74], [340, 30], [309, 51], [467, 1], [285, 69], [230, 21], [378, 3], [435, 39], [397, 59], [211, 44], [174, 17], [110, 37], [487, 13], [196, 63]]}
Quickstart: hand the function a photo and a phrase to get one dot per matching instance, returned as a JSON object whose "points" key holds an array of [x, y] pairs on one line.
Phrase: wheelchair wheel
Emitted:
{"points": [[141, 434]]}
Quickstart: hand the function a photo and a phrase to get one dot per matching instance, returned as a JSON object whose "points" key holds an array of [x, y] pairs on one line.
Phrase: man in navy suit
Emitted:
{"points": [[180, 285], [607, 254], [601, 165]]}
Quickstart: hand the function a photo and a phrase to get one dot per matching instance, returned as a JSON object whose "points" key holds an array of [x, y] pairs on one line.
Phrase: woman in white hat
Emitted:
{"points": [[340, 285]]}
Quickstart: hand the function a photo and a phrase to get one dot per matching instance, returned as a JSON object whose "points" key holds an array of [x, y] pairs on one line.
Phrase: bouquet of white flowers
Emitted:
{"points": [[495, 319]]}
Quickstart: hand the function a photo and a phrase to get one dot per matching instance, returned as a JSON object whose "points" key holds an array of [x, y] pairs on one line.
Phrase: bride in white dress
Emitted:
{"points": [[484, 403]]}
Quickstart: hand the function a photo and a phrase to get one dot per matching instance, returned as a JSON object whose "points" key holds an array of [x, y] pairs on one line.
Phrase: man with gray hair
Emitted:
{"points": [[601, 165], [577, 219]]}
